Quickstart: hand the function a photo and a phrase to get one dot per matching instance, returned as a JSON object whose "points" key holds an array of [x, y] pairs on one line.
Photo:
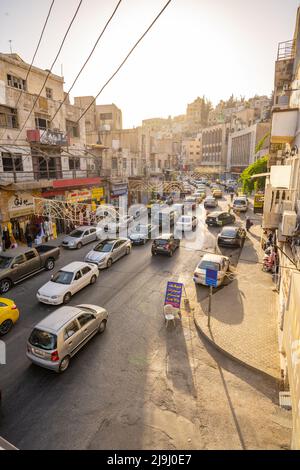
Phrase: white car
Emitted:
{"points": [[67, 281], [186, 223], [213, 262]]}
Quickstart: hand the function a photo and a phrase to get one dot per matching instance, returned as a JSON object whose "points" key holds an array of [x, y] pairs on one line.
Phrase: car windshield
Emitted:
{"points": [[240, 202], [62, 277], [76, 233], [5, 262], [205, 264], [104, 247], [43, 339], [228, 232]]}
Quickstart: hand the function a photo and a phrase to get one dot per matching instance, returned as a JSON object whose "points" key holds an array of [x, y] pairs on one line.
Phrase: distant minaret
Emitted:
{"points": [[10, 41]]}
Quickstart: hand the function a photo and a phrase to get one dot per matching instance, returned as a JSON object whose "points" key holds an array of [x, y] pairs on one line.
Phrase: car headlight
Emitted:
{"points": [[54, 297]]}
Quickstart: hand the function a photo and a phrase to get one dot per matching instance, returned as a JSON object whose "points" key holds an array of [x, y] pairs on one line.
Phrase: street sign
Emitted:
{"points": [[173, 294], [211, 277]]}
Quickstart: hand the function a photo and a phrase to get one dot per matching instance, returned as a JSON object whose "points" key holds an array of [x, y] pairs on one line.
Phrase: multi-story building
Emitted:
{"points": [[282, 214], [214, 147], [242, 146], [42, 141], [192, 154]]}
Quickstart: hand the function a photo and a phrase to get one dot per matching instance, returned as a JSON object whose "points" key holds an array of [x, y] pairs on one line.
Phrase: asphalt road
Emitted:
{"points": [[134, 386]]}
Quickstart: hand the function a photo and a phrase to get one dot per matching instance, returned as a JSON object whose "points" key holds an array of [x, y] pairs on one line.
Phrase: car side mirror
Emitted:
{"points": [[15, 265]]}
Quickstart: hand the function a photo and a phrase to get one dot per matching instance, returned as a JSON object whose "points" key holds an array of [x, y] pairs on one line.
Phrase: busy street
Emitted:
{"points": [[135, 369]]}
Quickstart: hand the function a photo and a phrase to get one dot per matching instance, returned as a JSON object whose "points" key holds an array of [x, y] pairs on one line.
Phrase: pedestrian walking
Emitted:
{"points": [[248, 223]]}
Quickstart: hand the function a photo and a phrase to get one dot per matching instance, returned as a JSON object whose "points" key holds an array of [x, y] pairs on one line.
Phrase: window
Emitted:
{"points": [[42, 123], [16, 82], [124, 163], [78, 275], [72, 128], [49, 93], [8, 117], [85, 270], [30, 255], [71, 329], [12, 162], [19, 259], [85, 318], [74, 163], [105, 116], [114, 164]]}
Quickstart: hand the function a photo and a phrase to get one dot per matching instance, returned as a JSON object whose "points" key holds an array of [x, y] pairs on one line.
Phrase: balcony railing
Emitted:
{"points": [[42, 175], [286, 50]]}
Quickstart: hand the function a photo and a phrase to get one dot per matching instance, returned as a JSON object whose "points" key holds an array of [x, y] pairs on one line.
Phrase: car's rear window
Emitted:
{"points": [[227, 232], [209, 265], [239, 202], [43, 339], [161, 242]]}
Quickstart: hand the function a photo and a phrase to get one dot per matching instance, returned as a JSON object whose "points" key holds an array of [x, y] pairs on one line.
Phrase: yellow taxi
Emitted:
{"points": [[9, 314], [217, 193]]}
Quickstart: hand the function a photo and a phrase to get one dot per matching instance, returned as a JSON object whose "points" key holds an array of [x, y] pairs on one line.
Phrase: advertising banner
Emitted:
{"points": [[173, 294]]}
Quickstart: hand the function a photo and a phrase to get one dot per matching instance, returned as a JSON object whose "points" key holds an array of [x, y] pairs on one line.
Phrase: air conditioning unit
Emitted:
{"points": [[288, 223]]}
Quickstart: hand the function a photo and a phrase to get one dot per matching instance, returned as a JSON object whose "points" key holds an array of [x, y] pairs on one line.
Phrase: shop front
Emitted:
{"points": [[119, 195]]}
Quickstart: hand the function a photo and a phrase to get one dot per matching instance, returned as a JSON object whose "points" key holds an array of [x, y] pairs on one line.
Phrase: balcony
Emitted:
{"points": [[276, 202], [48, 137], [45, 175], [284, 126], [286, 50]]}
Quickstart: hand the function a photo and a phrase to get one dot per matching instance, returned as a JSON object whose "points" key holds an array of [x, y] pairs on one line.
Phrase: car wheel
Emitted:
{"points": [[128, 250], [67, 297], [5, 327], [102, 327], [64, 364], [79, 245], [5, 285], [93, 279], [49, 264], [109, 263]]}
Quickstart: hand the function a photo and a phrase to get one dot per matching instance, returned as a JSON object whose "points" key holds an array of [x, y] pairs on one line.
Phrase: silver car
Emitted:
{"points": [[81, 236], [105, 253], [61, 334]]}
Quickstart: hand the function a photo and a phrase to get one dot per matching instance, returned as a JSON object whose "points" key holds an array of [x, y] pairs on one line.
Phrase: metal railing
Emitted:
{"points": [[286, 50], [40, 175]]}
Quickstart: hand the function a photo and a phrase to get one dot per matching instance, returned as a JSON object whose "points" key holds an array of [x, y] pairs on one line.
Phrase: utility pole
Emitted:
{"points": [[209, 305]]}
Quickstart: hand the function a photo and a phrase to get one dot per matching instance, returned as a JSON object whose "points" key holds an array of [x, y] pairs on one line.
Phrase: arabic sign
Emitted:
{"points": [[79, 195], [211, 277], [20, 204], [173, 294], [53, 138]]}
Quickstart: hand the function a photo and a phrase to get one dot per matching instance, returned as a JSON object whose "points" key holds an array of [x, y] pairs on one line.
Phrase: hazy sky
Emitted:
{"points": [[197, 47]]}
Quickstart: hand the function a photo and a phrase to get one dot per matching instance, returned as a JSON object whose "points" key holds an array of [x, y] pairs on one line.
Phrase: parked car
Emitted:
{"points": [[105, 253], [219, 218], [66, 282], [213, 262], [240, 204], [82, 236], [186, 223], [59, 336], [210, 201], [141, 234], [232, 236], [166, 244], [217, 193], [19, 263], [9, 315]]}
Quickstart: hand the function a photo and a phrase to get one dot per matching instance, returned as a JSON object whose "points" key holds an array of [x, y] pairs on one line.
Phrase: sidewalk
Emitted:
{"points": [[243, 314]]}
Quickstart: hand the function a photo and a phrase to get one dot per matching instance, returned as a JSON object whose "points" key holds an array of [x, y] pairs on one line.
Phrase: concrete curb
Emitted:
{"points": [[231, 356]]}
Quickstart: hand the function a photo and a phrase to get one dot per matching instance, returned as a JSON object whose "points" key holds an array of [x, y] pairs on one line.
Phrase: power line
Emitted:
{"points": [[123, 62], [49, 71], [85, 63], [37, 47]]}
